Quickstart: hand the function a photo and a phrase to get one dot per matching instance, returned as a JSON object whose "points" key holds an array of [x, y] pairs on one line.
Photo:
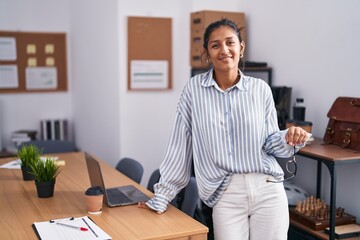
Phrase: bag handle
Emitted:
{"points": [[329, 133], [355, 102]]}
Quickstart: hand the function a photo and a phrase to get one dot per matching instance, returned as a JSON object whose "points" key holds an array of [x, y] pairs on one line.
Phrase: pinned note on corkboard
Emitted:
{"points": [[32, 62], [149, 53]]}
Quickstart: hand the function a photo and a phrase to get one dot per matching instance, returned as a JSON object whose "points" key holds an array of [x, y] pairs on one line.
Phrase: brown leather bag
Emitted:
{"points": [[343, 128]]}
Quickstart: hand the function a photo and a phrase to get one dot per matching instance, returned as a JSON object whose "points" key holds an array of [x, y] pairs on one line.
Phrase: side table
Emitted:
{"points": [[331, 156]]}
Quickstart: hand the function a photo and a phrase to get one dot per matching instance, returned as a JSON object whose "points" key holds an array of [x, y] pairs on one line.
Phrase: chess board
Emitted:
{"points": [[315, 214]]}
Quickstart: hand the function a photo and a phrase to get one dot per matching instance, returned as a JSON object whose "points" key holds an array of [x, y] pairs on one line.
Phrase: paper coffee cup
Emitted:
{"points": [[94, 199]]}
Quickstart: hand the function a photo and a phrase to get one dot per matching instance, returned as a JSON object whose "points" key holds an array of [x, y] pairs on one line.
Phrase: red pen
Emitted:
{"points": [[80, 228]]}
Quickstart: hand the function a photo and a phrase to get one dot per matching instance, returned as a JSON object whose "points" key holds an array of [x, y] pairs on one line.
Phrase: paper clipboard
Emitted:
{"points": [[50, 230]]}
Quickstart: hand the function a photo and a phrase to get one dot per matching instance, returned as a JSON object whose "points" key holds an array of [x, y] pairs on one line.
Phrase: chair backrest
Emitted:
{"points": [[154, 178], [187, 199], [131, 168], [52, 146]]}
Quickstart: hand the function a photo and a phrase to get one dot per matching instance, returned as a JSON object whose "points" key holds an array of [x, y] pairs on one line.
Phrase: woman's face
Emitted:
{"points": [[224, 49]]}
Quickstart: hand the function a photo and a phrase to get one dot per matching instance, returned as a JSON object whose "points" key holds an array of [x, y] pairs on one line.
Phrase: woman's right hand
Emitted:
{"points": [[296, 135]]}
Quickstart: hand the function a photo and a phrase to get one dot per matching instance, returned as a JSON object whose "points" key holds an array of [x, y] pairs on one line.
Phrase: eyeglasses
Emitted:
{"points": [[291, 167]]}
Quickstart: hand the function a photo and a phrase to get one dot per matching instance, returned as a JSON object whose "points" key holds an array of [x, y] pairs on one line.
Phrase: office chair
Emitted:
{"points": [[131, 168], [154, 178], [187, 199], [52, 146]]}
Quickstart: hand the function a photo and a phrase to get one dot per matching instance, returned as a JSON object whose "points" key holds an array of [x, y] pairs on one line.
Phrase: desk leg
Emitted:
{"points": [[332, 171], [318, 180]]}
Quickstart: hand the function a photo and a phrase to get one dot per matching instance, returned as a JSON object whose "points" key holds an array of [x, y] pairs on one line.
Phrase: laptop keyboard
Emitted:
{"points": [[115, 196]]}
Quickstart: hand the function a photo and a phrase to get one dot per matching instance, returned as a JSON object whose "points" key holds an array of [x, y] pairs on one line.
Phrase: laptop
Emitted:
{"points": [[116, 196]]}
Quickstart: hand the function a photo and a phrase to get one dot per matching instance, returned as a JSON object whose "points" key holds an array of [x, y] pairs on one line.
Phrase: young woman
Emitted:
{"points": [[226, 124]]}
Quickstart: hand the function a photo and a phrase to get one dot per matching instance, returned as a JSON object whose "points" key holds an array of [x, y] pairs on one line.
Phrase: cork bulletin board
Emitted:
{"points": [[149, 53], [32, 62]]}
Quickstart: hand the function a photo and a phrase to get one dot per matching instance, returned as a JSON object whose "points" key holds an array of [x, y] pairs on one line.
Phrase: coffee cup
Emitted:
{"points": [[94, 199]]}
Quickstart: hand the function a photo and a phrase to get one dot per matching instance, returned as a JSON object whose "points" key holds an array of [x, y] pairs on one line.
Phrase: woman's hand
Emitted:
{"points": [[296, 136], [143, 205]]}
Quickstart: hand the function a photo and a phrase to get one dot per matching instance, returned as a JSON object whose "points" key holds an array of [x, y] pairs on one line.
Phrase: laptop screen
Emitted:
{"points": [[94, 172]]}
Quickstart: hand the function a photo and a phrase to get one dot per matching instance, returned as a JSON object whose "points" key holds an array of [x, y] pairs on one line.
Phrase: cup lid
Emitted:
{"points": [[94, 190]]}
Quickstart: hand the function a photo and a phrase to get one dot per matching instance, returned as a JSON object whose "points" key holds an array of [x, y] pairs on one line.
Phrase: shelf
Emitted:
{"points": [[247, 71], [318, 234]]}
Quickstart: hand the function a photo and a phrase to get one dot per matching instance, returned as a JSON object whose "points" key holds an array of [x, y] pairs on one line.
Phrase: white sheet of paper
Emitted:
{"points": [[51, 230], [41, 77], [9, 76], [149, 74], [12, 165], [7, 49], [15, 164]]}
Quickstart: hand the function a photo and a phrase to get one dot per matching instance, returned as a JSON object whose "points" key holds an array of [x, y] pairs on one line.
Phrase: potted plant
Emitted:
{"points": [[45, 172], [28, 155]]}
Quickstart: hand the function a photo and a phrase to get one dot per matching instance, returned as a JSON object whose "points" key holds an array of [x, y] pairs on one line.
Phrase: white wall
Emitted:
{"points": [[95, 59], [311, 45], [147, 117]]}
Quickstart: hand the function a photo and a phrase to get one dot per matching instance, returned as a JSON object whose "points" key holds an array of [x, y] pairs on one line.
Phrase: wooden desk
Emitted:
{"points": [[331, 156], [20, 206]]}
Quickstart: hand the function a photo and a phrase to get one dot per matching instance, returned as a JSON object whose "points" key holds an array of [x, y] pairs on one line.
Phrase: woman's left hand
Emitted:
{"points": [[143, 205], [296, 136]]}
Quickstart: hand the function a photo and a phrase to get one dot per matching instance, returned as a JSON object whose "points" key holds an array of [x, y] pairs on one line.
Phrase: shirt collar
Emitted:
{"points": [[209, 81]]}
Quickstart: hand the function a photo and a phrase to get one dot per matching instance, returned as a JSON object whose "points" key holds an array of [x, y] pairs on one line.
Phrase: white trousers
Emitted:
{"points": [[252, 208]]}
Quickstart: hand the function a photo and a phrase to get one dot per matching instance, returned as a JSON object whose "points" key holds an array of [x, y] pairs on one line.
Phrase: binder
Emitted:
{"points": [[54, 129], [56, 124], [48, 130]]}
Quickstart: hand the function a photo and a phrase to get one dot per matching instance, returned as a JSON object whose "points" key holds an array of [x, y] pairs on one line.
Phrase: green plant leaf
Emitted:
{"points": [[45, 171], [28, 155]]}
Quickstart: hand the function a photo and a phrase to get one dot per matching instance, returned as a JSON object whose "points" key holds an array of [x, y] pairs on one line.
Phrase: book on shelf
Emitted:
{"points": [[20, 136], [345, 231], [19, 141], [24, 134]]}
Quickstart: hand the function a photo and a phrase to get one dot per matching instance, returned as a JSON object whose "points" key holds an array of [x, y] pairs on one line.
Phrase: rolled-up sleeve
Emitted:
{"points": [[275, 143]]}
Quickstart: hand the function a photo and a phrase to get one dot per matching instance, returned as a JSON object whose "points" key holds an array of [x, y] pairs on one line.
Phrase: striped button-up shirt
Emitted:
{"points": [[221, 133]]}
